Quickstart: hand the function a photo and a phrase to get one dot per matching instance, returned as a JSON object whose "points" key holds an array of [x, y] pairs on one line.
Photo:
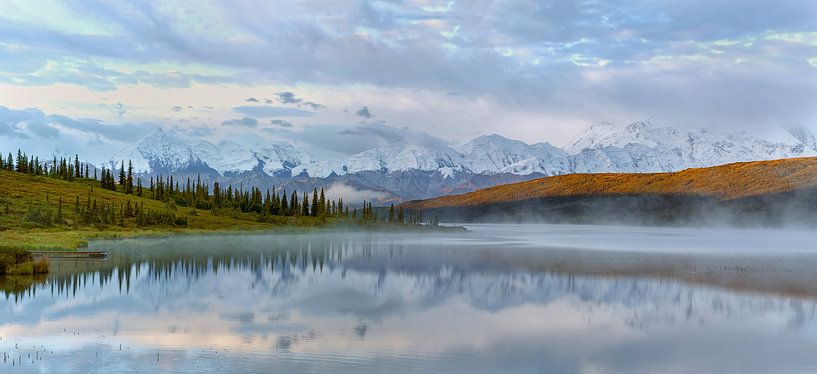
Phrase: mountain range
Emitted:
{"points": [[430, 167]]}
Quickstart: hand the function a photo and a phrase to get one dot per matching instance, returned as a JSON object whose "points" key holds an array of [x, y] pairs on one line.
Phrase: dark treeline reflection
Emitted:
{"points": [[192, 256], [163, 259]]}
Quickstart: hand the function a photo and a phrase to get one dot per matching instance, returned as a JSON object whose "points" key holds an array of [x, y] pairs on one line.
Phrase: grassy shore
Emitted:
{"points": [[16, 261], [40, 213]]}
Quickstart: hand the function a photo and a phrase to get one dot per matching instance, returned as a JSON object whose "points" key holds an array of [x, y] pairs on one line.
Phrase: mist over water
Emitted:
{"points": [[500, 298]]}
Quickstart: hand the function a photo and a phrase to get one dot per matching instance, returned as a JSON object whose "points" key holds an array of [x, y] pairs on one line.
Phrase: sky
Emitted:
{"points": [[94, 76]]}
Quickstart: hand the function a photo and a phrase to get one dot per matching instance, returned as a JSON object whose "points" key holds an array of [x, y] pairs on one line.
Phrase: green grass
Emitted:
{"points": [[24, 198], [22, 194]]}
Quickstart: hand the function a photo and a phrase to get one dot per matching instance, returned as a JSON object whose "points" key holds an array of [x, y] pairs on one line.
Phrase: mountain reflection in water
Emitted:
{"points": [[423, 303]]}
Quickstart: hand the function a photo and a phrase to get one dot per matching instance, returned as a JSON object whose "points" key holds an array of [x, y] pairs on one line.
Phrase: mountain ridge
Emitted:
{"points": [[634, 147]]}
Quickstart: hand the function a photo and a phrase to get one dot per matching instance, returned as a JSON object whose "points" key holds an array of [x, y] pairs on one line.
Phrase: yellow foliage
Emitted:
{"points": [[725, 182]]}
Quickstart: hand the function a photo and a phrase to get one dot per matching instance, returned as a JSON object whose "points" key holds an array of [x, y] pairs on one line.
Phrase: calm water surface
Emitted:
{"points": [[501, 298]]}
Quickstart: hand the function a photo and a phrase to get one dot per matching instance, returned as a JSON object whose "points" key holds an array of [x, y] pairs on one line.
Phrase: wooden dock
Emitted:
{"points": [[91, 255]]}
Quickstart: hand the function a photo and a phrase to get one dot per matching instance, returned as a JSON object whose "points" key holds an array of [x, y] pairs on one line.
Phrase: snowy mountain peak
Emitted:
{"points": [[643, 147], [497, 154], [632, 147], [158, 152], [398, 156], [804, 136]]}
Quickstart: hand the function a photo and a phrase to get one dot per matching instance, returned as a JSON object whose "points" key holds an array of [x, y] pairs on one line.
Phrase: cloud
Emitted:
{"points": [[569, 59], [287, 97], [245, 122], [364, 112], [251, 100], [43, 130], [40, 134], [271, 111], [7, 130], [280, 123], [125, 132], [329, 141], [314, 106], [176, 108], [353, 195]]}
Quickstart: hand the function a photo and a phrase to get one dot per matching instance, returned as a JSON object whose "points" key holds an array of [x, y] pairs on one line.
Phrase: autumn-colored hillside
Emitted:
{"points": [[725, 182]]}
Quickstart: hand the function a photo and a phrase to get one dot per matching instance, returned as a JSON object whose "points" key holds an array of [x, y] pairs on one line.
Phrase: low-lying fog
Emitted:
{"points": [[648, 239]]}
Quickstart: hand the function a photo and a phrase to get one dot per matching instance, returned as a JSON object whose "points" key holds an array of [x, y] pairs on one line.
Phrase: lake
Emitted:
{"points": [[499, 298]]}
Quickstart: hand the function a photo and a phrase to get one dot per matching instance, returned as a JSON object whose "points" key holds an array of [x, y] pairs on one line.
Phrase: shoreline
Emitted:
{"points": [[72, 240]]}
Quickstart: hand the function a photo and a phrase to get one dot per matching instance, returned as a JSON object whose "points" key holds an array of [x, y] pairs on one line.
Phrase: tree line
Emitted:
{"points": [[197, 194]]}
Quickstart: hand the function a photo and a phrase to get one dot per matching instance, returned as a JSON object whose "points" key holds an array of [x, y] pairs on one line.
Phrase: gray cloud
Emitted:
{"points": [[287, 97], [280, 123], [43, 130], [251, 100], [271, 111], [571, 58], [364, 112], [38, 133], [125, 132], [7, 130], [176, 108], [339, 140], [246, 122]]}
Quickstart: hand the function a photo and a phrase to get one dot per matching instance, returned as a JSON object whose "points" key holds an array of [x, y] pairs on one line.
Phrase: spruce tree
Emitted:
{"points": [[315, 207], [129, 179], [305, 206], [323, 204], [122, 174]]}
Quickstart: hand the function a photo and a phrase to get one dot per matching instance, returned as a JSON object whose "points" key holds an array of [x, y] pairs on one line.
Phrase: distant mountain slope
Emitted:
{"points": [[725, 182], [424, 166]]}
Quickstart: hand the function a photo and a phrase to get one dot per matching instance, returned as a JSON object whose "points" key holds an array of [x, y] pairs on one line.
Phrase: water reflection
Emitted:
{"points": [[378, 302]]}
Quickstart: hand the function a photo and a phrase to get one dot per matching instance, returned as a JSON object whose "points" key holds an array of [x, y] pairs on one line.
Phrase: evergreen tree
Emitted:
{"points": [[323, 203], [305, 206], [122, 174], [293, 203], [315, 207], [129, 179]]}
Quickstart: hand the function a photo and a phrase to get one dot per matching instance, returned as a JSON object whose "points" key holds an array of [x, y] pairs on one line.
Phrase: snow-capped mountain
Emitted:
{"points": [[643, 147], [497, 154], [399, 156], [277, 159], [159, 153], [425, 166]]}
